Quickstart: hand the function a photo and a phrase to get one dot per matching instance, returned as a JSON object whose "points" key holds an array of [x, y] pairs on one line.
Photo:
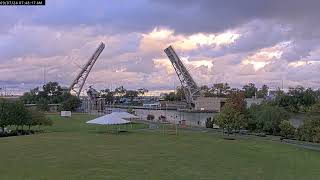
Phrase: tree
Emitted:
{"points": [[309, 98], [221, 89], [4, 114], [290, 103], [43, 105], [70, 104], [131, 94], [150, 117], [310, 130], [227, 118], [297, 99], [142, 91], [206, 91], [120, 91], [38, 119], [263, 92], [180, 94], [249, 90], [237, 101], [286, 129], [170, 97], [267, 118], [175, 96], [52, 89], [210, 122], [108, 95], [314, 110], [18, 114], [51, 93]]}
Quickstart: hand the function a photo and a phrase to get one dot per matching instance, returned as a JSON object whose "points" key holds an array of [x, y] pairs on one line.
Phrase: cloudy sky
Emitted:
{"points": [[259, 41]]}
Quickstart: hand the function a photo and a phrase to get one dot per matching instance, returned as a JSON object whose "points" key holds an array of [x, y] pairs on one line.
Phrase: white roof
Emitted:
{"points": [[113, 118]]}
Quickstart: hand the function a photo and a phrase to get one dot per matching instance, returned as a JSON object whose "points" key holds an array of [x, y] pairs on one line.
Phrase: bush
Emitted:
{"points": [[131, 111], [310, 130], [16, 114], [286, 129], [267, 118], [70, 104], [150, 117], [209, 123], [230, 119]]}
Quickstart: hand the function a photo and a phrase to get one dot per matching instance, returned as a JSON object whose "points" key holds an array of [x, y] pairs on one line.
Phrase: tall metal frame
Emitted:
{"points": [[79, 81], [189, 86]]}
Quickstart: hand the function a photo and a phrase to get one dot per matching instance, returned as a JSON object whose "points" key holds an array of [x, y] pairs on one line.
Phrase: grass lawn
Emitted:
{"points": [[74, 150]]}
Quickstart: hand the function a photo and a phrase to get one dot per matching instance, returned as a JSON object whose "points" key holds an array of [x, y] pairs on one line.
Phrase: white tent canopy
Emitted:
{"points": [[113, 119]]}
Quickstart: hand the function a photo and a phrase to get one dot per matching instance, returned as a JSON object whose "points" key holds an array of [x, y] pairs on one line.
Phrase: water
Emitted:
{"points": [[173, 116]]}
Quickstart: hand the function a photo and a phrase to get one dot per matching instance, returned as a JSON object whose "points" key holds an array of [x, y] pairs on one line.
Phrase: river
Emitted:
{"points": [[172, 116]]}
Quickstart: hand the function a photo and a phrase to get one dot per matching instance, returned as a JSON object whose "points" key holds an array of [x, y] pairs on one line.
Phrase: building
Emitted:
{"points": [[213, 104]]}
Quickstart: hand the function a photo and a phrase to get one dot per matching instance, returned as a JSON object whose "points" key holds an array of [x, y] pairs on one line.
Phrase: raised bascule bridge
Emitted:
{"points": [[92, 102], [194, 98]]}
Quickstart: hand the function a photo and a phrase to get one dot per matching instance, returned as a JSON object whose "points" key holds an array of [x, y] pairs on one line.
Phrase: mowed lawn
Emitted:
{"points": [[72, 149]]}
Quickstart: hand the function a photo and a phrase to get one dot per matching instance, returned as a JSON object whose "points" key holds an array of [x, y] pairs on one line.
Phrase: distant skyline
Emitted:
{"points": [[238, 42]]}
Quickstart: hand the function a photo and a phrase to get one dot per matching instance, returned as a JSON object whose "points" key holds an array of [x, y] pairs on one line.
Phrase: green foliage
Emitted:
{"points": [[232, 116], [210, 122], [4, 114], [170, 96], [178, 95], [131, 94], [267, 118], [314, 110], [263, 92], [217, 90], [131, 111], [16, 114], [297, 99], [286, 129], [108, 95], [150, 117], [310, 130], [249, 90], [237, 101], [121, 92], [51, 93], [43, 105], [70, 104], [230, 119]]}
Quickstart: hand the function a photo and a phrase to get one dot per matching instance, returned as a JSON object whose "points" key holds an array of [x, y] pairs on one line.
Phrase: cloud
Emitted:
{"points": [[219, 41]]}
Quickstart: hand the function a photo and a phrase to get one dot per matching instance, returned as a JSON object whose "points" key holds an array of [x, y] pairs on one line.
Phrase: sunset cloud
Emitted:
{"points": [[264, 43]]}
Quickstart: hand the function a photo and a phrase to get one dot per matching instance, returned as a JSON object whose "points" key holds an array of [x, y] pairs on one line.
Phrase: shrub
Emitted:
{"points": [[310, 130], [210, 122], [150, 117], [286, 129]]}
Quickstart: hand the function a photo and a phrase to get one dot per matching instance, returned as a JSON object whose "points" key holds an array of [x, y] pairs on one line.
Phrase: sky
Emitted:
{"points": [[268, 42]]}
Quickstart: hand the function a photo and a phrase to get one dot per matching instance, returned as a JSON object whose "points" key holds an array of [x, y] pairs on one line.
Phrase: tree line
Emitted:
{"points": [[272, 116], [118, 94], [221, 90], [17, 115], [51, 93]]}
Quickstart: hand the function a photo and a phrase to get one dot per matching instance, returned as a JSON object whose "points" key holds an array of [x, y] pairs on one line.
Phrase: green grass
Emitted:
{"points": [[74, 150]]}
